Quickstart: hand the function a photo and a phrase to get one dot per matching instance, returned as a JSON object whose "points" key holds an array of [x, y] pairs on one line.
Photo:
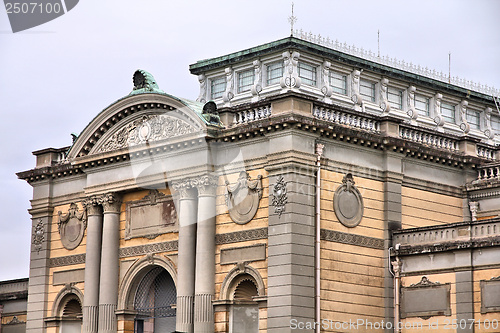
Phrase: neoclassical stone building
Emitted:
{"points": [[311, 186]]}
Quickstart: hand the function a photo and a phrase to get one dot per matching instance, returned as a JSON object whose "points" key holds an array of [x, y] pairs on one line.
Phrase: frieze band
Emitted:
{"points": [[351, 239], [228, 238]]}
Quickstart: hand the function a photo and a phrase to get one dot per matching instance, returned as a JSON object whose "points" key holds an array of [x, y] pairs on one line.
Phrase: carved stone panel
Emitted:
{"points": [[490, 291], [151, 216], [425, 299], [242, 198], [72, 226], [348, 203]]}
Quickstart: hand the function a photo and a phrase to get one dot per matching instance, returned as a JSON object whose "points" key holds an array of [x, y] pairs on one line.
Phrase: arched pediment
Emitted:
{"points": [[147, 115], [139, 119]]}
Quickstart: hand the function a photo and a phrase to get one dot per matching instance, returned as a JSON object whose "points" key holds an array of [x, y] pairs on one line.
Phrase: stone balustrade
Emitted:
{"points": [[346, 119], [489, 172], [485, 152], [246, 116], [434, 140], [456, 232]]}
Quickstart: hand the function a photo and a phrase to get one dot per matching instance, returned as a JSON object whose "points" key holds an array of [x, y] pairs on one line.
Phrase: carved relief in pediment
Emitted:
{"points": [[72, 226], [149, 128], [242, 198]]}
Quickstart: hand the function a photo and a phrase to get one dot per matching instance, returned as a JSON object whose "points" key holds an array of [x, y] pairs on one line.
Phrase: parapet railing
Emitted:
{"points": [[346, 119], [246, 116], [485, 152], [423, 137], [489, 172], [447, 233]]}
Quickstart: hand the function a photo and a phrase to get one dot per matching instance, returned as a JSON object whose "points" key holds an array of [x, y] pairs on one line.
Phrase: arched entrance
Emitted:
{"points": [[155, 295]]}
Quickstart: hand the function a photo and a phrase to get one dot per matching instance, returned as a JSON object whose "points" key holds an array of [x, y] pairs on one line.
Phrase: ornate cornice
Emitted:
{"points": [[132, 251], [241, 236], [67, 260]]}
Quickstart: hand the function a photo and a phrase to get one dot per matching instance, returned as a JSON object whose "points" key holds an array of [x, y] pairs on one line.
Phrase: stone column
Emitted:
{"points": [[93, 265], [205, 255], [108, 292], [187, 208]]}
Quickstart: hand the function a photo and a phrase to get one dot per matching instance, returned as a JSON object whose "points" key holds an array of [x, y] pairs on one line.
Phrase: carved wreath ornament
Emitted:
{"points": [[38, 236], [348, 203], [72, 226], [243, 198]]}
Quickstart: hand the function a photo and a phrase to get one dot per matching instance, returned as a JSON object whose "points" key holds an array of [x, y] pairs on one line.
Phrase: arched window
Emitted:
{"points": [[244, 314], [71, 317], [153, 302]]}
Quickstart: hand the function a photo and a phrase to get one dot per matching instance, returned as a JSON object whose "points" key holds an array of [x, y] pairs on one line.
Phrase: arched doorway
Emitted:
{"points": [[155, 295]]}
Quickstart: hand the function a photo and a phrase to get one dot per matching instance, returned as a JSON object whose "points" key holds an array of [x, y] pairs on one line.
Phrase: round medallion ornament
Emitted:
{"points": [[348, 203]]}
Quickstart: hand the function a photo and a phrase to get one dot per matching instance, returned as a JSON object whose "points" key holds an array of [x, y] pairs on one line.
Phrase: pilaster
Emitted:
{"points": [[291, 246]]}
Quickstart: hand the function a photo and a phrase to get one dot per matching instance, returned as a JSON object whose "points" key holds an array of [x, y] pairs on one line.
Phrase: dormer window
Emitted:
{"points": [[422, 105], [395, 97], [338, 83], [307, 73], [473, 119], [245, 80], [367, 90], [217, 87], [448, 112], [274, 72]]}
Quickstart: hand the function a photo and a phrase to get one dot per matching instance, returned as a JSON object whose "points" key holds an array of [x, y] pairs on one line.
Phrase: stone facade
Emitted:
{"points": [[173, 215]]}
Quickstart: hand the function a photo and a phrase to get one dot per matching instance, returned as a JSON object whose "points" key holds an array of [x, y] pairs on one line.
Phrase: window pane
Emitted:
{"points": [[274, 72], [395, 97], [307, 73], [338, 83], [218, 85], [448, 112], [495, 124], [422, 105], [245, 80], [473, 119], [367, 89]]}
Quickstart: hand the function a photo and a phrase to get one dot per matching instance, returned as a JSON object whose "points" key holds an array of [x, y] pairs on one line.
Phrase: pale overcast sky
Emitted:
{"points": [[55, 78]]}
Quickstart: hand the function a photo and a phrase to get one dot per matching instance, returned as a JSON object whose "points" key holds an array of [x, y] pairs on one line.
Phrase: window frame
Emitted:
{"points": [[426, 101], [301, 66], [398, 101], [218, 94], [450, 119], [275, 79], [342, 78], [372, 87], [242, 83], [470, 116]]}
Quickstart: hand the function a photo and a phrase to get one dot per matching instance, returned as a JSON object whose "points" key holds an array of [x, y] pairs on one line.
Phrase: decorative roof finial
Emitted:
{"points": [[292, 19]]}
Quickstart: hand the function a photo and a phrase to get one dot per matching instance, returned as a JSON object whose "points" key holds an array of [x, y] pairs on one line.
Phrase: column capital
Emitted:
{"points": [[184, 189], [111, 202], [206, 185], [93, 205]]}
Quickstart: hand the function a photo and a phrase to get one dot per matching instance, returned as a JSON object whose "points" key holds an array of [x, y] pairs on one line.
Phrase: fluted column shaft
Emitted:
{"points": [[108, 292], [205, 256], [186, 255], [93, 267]]}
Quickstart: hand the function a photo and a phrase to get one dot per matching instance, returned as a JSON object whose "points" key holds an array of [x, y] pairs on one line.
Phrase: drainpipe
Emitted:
{"points": [[396, 265], [319, 153]]}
